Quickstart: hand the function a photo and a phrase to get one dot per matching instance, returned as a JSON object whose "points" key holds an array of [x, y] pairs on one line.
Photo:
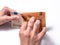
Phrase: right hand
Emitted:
{"points": [[28, 33]]}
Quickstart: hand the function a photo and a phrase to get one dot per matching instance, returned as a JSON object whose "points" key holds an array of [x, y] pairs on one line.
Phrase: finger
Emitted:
{"points": [[6, 8], [30, 23], [8, 18], [42, 33], [8, 11], [15, 17], [24, 26], [13, 12], [5, 11], [3, 19], [2, 12], [36, 26]]}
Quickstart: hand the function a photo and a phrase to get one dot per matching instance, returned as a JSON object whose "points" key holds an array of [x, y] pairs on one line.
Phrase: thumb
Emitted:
{"points": [[4, 19]]}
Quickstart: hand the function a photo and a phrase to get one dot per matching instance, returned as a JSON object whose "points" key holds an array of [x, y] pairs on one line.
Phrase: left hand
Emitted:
{"points": [[5, 16]]}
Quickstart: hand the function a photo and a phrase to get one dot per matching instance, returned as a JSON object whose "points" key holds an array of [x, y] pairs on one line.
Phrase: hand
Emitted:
{"points": [[29, 33], [5, 15]]}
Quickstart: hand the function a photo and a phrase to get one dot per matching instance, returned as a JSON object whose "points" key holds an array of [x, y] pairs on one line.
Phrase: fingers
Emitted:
{"points": [[30, 24], [36, 26], [9, 9], [2, 12], [15, 17], [5, 15], [4, 19], [10, 18], [42, 33], [24, 26], [6, 11], [27, 26]]}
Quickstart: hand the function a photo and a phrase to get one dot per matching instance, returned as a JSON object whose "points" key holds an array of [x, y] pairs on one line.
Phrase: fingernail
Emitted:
{"points": [[32, 18], [37, 21], [44, 27]]}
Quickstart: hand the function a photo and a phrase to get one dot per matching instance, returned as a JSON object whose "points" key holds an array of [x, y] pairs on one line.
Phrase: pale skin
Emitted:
{"points": [[28, 32], [4, 17]]}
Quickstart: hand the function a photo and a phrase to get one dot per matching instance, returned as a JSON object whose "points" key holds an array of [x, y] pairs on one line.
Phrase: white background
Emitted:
{"points": [[9, 36]]}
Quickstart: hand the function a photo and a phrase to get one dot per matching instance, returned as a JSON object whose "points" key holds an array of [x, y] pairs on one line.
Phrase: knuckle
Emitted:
{"points": [[30, 25], [36, 24], [20, 33], [5, 8], [38, 39], [31, 22], [27, 35], [33, 37]]}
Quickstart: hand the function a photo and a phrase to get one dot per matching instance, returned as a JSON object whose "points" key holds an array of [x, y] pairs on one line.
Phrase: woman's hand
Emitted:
{"points": [[29, 33], [5, 15]]}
